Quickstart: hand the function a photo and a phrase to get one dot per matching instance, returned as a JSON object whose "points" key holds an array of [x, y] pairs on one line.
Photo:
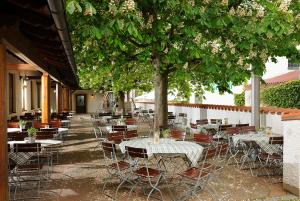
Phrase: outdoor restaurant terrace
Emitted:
{"points": [[63, 138]]}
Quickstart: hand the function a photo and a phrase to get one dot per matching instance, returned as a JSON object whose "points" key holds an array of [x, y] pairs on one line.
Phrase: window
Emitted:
{"points": [[32, 94], [38, 90], [293, 66], [12, 93]]}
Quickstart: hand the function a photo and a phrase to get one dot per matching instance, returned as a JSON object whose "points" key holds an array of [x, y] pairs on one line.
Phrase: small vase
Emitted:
{"points": [[29, 139], [156, 138]]}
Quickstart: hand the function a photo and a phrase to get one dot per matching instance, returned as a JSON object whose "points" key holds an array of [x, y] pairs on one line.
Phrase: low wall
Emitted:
{"points": [[270, 117]]}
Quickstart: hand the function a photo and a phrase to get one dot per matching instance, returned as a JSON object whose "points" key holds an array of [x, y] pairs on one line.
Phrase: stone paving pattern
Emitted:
{"points": [[78, 177]]}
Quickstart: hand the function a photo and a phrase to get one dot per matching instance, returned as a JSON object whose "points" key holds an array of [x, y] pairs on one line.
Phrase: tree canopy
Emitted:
{"points": [[187, 43]]}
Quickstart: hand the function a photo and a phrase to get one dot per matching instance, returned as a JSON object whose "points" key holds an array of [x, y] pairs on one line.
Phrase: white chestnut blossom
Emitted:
{"points": [[284, 5], [224, 2], [240, 61], [197, 39], [192, 2], [129, 5]]}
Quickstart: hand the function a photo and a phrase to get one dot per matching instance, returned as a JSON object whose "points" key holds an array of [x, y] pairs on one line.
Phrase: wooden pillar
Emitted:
{"points": [[3, 126], [45, 98], [66, 99], [58, 98]]}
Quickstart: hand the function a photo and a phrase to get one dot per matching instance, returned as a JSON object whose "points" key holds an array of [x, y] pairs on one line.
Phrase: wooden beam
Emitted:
{"points": [[3, 126], [45, 98], [20, 67]]}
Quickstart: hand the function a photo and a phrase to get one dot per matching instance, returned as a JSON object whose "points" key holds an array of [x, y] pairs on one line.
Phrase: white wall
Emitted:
{"points": [[234, 117], [94, 100]]}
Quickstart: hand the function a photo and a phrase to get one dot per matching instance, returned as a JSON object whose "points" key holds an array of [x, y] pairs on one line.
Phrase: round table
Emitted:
{"points": [[193, 151]]}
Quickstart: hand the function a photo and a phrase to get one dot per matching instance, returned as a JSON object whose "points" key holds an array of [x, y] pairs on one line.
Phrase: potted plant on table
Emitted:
{"points": [[31, 135], [166, 133], [22, 124]]}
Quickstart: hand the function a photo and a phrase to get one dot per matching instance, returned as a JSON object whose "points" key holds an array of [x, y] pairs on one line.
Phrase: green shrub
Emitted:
{"points": [[239, 99], [284, 95]]}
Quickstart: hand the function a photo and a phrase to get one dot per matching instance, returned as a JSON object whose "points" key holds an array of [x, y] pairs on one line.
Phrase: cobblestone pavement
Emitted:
{"points": [[79, 176]]}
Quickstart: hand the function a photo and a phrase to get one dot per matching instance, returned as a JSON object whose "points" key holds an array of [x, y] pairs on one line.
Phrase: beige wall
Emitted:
{"points": [[18, 96], [94, 103]]}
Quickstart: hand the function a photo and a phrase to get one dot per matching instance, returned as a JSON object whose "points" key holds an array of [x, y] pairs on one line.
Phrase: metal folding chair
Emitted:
{"points": [[272, 161], [196, 178], [145, 175], [115, 168]]}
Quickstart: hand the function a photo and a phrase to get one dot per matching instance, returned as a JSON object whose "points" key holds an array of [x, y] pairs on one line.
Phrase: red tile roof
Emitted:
{"points": [[293, 75]]}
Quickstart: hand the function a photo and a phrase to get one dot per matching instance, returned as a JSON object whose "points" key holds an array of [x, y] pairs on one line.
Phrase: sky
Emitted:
{"points": [[272, 70]]}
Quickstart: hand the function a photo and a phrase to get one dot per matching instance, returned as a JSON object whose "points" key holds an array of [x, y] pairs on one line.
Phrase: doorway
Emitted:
{"points": [[80, 103]]}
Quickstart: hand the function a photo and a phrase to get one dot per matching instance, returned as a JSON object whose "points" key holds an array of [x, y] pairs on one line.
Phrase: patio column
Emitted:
{"points": [[255, 101], [45, 98], [3, 126], [291, 157], [66, 101], [58, 98]]}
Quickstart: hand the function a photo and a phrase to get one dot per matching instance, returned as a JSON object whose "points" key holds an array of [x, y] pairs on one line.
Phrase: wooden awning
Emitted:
{"points": [[36, 30]]}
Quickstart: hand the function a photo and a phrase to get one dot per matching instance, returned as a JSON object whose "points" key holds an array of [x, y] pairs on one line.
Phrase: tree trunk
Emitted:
{"points": [[122, 101], [161, 100]]}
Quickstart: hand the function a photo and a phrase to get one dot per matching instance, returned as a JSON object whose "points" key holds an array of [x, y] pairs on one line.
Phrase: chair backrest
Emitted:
{"points": [[276, 140], [209, 153], [193, 126], [13, 125], [222, 149], [241, 125], [55, 130], [224, 127], [182, 115], [39, 125], [130, 121], [17, 136], [171, 117], [201, 138], [136, 152], [116, 117], [42, 135], [202, 121], [232, 130], [109, 150], [116, 137], [131, 134], [178, 135], [216, 121], [28, 147], [119, 128], [246, 129], [127, 116], [55, 124]]}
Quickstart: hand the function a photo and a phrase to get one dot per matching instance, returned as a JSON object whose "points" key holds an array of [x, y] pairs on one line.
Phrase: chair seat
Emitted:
{"points": [[142, 172], [210, 167], [274, 156], [194, 173], [121, 164]]}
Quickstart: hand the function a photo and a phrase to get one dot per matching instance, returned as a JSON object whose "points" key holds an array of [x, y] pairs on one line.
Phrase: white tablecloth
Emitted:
{"points": [[192, 150], [261, 139], [43, 142], [61, 130], [129, 128], [13, 130]]}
